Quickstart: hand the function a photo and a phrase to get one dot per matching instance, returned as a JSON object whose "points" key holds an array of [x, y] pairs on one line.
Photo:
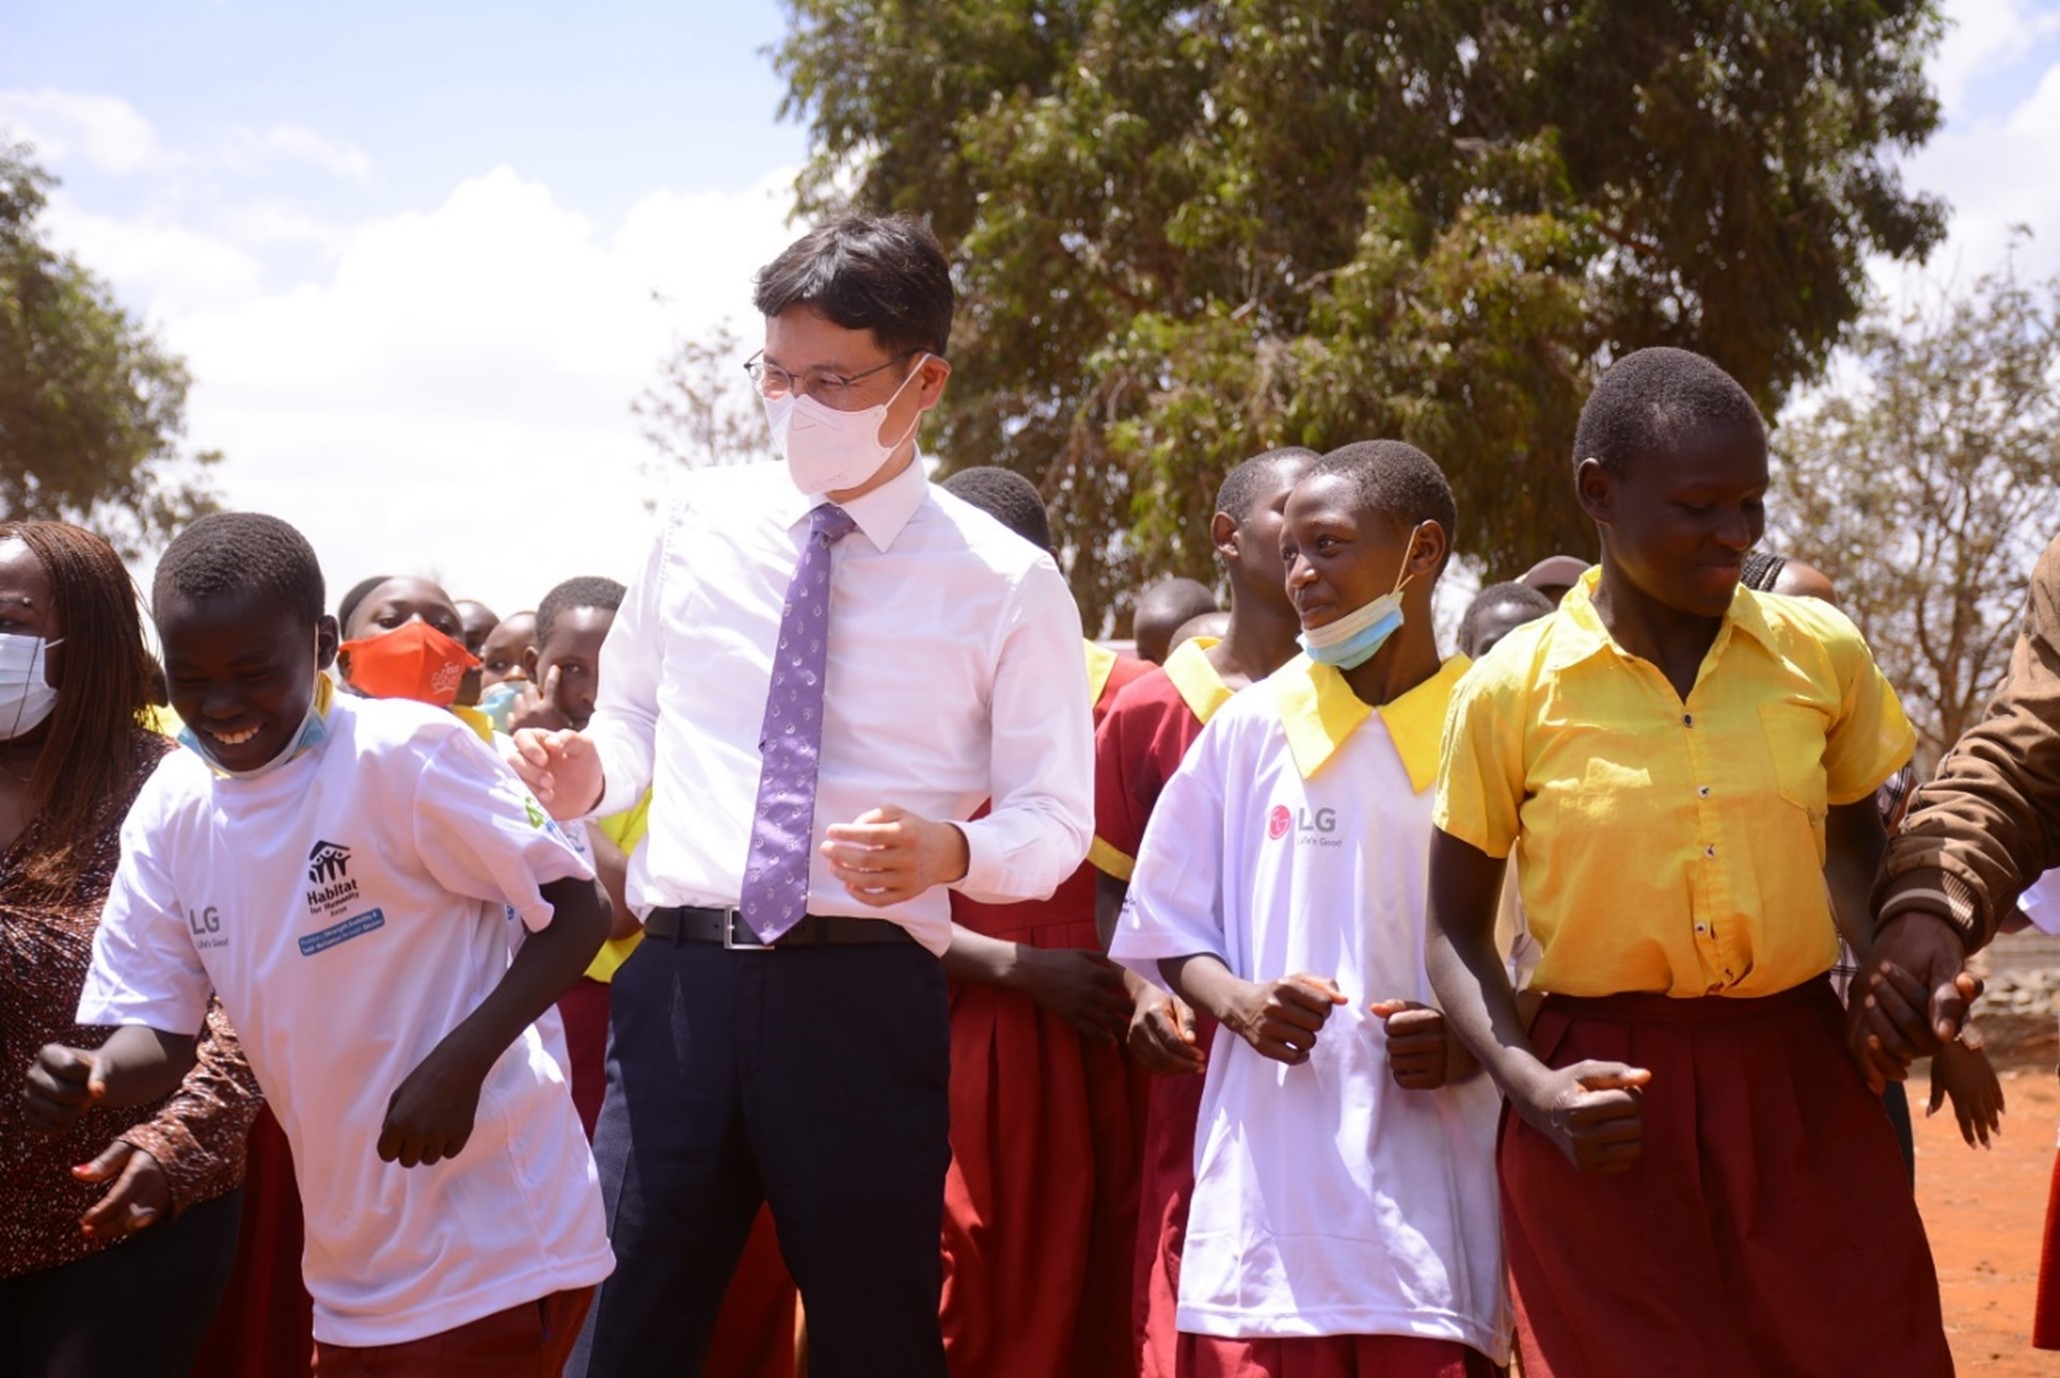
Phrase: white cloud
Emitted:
{"points": [[453, 396], [297, 144], [184, 267], [1982, 35], [104, 131]]}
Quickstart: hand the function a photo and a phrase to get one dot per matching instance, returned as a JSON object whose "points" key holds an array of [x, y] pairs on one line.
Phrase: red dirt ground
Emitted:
{"points": [[1985, 1211]]}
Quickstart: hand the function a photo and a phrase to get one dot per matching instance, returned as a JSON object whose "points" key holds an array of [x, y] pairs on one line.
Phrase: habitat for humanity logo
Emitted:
{"points": [[329, 875], [1315, 829]]}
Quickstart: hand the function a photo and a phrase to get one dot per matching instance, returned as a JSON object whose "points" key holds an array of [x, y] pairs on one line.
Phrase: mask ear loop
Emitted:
{"points": [[1402, 575], [889, 403]]}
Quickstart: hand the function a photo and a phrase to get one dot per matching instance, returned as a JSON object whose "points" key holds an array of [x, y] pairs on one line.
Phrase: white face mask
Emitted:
{"points": [[26, 698], [831, 451]]}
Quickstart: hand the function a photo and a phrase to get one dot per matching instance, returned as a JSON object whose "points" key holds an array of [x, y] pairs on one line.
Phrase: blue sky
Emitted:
{"points": [[410, 252]]}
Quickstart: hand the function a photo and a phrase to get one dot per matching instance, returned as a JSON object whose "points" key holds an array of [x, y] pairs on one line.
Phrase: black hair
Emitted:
{"points": [[587, 591], [1240, 487], [359, 591], [1509, 595], [1006, 496], [1397, 481], [882, 273], [1762, 570], [1176, 600], [1658, 400], [242, 552]]}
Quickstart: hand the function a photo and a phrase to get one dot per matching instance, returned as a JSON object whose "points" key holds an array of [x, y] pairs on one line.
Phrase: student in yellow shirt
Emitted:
{"points": [[1696, 1179]]}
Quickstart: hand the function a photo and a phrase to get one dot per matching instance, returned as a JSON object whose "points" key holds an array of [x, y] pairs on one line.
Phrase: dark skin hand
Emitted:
{"points": [[1915, 996], [134, 1067], [431, 1113], [1162, 1036], [1083, 988], [1423, 1053], [1592, 1110], [1280, 1019]]}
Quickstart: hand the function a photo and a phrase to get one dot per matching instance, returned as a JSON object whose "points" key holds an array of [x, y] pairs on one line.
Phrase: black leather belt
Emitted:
{"points": [[686, 924]]}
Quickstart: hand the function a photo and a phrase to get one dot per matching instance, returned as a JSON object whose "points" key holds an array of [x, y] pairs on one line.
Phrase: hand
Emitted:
{"points": [[60, 1084], [1964, 1072], [889, 855], [1593, 1111], [1280, 1018], [1162, 1033], [1915, 992], [1083, 988], [430, 1114], [1420, 1054], [562, 770], [140, 1197], [537, 708]]}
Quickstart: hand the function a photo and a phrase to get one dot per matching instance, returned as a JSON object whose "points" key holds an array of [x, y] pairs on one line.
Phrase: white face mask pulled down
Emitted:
{"points": [[26, 698], [829, 451]]}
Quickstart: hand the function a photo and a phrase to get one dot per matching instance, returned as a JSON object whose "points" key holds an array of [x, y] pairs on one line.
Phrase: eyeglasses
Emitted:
{"points": [[833, 390]]}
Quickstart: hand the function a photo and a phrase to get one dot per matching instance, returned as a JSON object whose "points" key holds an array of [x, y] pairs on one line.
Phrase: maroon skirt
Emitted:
{"points": [[1769, 1228], [2045, 1320]]}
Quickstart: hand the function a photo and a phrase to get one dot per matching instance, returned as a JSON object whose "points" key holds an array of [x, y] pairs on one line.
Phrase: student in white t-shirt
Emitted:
{"points": [[337, 871], [1345, 1216]]}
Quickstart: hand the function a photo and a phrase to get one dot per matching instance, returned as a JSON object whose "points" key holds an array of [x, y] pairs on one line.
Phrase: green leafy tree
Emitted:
{"points": [[1187, 232], [92, 408], [1925, 484]]}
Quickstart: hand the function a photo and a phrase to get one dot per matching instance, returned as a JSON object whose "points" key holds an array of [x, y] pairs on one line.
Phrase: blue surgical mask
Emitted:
{"points": [[314, 730], [1350, 641], [497, 701]]}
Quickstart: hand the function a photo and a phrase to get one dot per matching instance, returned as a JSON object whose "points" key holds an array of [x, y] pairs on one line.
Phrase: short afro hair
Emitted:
{"points": [[359, 592], [882, 273], [1006, 496], [586, 591], [1240, 487], [1663, 400], [227, 553], [1509, 595], [1396, 481]]}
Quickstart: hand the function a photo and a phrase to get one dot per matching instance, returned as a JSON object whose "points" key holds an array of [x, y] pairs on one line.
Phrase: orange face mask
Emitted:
{"points": [[415, 661]]}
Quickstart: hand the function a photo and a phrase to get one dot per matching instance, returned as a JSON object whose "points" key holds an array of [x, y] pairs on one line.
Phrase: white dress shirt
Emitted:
{"points": [[954, 677]]}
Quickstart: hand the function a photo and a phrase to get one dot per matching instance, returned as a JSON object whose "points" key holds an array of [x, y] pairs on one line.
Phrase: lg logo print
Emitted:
{"points": [[1314, 828]]}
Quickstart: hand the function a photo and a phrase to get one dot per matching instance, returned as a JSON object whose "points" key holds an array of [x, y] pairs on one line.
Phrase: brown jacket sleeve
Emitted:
{"points": [[199, 1135], [1988, 823]]}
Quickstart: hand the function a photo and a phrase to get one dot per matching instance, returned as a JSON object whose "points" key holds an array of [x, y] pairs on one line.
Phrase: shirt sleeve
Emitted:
{"points": [[1041, 762], [482, 834], [199, 1135], [624, 727], [1871, 738], [1118, 823], [145, 969], [1175, 906], [1481, 768], [1989, 821]]}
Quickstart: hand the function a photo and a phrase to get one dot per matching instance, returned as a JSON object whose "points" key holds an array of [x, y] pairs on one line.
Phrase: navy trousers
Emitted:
{"points": [[813, 1079]]}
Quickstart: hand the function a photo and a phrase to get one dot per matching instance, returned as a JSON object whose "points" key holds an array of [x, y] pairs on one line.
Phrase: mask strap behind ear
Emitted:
{"points": [[1402, 575]]}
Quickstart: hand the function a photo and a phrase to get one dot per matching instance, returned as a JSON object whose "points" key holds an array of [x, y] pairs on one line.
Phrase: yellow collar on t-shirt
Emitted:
{"points": [[1195, 679], [1101, 663], [476, 720], [1318, 710]]}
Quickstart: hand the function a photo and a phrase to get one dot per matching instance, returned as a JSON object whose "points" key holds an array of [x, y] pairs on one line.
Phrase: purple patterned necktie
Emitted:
{"points": [[775, 893]]}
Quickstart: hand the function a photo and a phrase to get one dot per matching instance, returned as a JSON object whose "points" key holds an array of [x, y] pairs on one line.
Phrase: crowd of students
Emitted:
{"points": [[393, 991]]}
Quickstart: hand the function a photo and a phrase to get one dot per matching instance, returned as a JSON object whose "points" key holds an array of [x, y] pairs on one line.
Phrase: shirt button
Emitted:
{"points": [[1687, 720], [1702, 928], [1704, 791], [1709, 851]]}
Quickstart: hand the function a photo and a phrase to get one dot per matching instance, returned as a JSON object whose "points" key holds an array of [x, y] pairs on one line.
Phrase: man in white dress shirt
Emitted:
{"points": [[823, 670]]}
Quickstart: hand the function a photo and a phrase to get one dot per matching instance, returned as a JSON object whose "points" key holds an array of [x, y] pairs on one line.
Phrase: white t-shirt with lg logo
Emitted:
{"points": [[1327, 1200], [349, 909]]}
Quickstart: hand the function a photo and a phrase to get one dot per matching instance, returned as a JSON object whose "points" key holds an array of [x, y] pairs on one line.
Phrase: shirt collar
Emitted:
{"points": [[1578, 632], [1195, 679], [880, 514], [1319, 711], [1101, 663]]}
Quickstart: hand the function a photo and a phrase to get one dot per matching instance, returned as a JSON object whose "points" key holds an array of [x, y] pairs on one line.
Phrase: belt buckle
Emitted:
{"points": [[733, 924]]}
